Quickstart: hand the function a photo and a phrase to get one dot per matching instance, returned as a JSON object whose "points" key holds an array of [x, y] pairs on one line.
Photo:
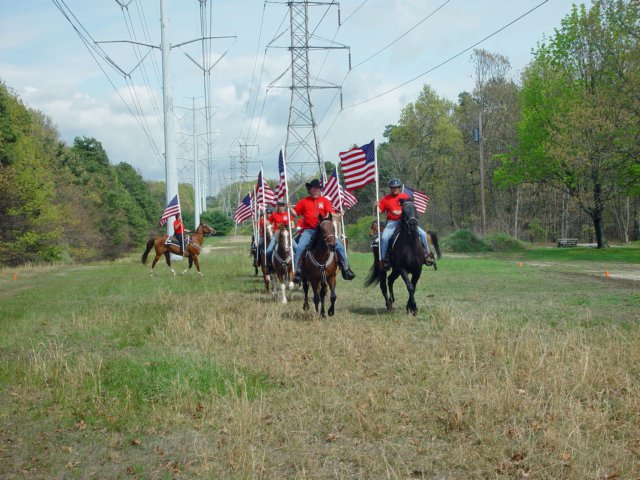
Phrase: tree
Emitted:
{"points": [[580, 125]]}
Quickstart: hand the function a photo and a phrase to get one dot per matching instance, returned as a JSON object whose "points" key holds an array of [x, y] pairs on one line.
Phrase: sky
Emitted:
{"points": [[44, 61]]}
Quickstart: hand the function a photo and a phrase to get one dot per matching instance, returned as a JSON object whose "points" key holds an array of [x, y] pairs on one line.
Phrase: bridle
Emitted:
{"points": [[408, 220], [322, 266]]}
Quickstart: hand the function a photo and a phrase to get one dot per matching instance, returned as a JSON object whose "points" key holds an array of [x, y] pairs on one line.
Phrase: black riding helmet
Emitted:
{"points": [[394, 182]]}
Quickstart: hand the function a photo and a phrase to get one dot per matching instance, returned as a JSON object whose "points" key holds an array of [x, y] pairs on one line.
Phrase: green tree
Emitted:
{"points": [[580, 125]]}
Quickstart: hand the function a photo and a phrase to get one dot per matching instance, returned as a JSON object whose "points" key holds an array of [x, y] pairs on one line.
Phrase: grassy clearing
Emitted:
{"points": [[508, 371]]}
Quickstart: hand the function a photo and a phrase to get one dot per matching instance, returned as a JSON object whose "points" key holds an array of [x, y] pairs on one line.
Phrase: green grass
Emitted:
{"points": [[517, 364]]}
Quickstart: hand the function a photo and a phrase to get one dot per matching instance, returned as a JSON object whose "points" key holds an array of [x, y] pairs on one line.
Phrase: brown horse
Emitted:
{"points": [[320, 266], [282, 261], [261, 258], [192, 249]]}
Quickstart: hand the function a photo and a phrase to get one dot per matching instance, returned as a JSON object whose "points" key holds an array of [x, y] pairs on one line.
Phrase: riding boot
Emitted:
{"points": [[384, 264], [297, 279], [429, 260], [346, 271]]}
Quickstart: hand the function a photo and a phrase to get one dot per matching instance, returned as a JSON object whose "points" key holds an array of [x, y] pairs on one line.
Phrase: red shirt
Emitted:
{"points": [[309, 208], [261, 226], [178, 227], [391, 202], [278, 219]]}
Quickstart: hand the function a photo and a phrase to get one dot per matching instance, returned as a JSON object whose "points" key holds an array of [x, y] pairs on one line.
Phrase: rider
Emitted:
{"points": [[279, 218], [309, 208], [178, 231], [390, 204]]}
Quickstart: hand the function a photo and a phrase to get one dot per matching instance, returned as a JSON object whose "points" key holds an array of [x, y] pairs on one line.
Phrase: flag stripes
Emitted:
{"points": [[358, 166], [172, 209], [420, 199], [243, 210]]}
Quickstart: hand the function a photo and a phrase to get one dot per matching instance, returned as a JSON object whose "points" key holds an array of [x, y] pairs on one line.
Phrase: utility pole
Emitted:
{"points": [[302, 145], [481, 150]]}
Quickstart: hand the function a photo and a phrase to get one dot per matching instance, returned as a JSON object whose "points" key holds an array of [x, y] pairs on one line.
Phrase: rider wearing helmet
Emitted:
{"points": [[390, 205]]}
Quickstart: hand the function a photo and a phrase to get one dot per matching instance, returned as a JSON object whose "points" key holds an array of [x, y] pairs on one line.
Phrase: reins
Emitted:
{"points": [[322, 266]]}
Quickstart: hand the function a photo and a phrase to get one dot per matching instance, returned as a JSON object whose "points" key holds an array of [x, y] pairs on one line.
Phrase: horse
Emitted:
{"points": [[320, 266], [406, 258], [191, 250], [282, 262], [261, 258], [432, 239]]}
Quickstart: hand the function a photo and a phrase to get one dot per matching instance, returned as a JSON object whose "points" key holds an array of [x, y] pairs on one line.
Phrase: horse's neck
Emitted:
{"points": [[197, 237]]}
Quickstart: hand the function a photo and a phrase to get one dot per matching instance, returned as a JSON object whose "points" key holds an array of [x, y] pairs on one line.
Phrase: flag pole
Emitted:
{"points": [[344, 233], [254, 220], [286, 192], [264, 220], [375, 157]]}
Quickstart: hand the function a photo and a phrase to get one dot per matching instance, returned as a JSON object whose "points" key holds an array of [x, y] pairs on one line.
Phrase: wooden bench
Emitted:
{"points": [[567, 242]]}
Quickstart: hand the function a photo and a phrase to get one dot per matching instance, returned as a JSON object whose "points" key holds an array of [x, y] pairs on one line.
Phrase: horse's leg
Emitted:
{"points": [[274, 287], [316, 293], [323, 294], [290, 274], [392, 278], [411, 302], [415, 276], [282, 279], [305, 289], [167, 257], [197, 262], [189, 266], [388, 302], [333, 296]]}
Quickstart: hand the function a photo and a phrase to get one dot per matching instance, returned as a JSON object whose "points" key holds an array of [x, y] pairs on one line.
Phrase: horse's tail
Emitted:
{"points": [[374, 275], [436, 245], [146, 252]]}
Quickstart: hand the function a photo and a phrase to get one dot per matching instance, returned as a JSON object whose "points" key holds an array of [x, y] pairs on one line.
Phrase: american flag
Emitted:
{"points": [[359, 166], [331, 190], [264, 194], [419, 198], [243, 210], [172, 209], [281, 188]]}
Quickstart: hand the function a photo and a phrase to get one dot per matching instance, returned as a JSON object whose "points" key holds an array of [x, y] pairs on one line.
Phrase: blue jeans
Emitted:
{"points": [[388, 233], [304, 240], [272, 246]]}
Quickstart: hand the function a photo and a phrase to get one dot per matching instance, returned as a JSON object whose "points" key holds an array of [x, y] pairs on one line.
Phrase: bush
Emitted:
{"points": [[503, 242], [464, 241], [358, 234]]}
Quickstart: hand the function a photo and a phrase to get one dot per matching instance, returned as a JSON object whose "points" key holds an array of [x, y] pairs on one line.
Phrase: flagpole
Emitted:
{"points": [[344, 236], [254, 220], [286, 192], [375, 157], [264, 220]]}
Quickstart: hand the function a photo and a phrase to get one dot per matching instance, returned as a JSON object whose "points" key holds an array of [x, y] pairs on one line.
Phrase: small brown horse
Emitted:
{"points": [[320, 266], [192, 249], [282, 261]]}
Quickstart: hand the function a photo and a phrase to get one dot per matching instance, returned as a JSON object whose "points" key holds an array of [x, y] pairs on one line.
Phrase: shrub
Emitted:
{"points": [[464, 241], [503, 242]]}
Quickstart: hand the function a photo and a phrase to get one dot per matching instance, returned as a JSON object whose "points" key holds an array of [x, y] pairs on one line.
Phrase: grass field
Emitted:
{"points": [[517, 366]]}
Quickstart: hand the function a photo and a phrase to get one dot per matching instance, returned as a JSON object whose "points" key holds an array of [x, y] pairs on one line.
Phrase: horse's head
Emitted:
{"points": [[284, 240], [375, 228], [327, 230], [409, 215], [206, 229]]}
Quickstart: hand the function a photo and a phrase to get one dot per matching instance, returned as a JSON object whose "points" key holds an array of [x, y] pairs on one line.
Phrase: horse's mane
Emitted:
{"points": [[316, 239]]}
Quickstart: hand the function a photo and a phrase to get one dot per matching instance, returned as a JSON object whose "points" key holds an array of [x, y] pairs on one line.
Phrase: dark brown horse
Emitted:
{"points": [[191, 250], [406, 258], [282, 261], [261, 258], [432, 240], [320, 266]]}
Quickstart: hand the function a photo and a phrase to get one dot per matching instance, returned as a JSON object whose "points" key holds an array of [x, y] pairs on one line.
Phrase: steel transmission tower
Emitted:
{"points": [[302, 145]]}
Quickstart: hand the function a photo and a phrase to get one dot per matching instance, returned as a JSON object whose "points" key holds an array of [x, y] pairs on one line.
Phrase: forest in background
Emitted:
{"points": [[555, 154]]}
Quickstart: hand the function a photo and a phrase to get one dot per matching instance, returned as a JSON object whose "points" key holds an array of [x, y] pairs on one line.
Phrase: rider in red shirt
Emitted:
{"points": [[390, 204], [309, 208], [279, 218], [178, 231]]}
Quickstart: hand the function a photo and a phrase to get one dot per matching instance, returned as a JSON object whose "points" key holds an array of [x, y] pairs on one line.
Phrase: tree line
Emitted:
{"points": [[555, 153]]}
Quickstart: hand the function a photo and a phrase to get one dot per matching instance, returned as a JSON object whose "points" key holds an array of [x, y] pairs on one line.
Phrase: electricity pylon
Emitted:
{"points": [[302, 146]]}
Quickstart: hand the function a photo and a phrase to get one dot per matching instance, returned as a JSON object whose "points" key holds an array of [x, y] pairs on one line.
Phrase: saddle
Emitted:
{"points": [[172, 240]]}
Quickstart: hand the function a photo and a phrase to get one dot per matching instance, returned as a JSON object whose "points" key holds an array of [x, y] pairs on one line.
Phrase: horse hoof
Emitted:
{"points": [[201, 274], [291, 285], [331, 312]]}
